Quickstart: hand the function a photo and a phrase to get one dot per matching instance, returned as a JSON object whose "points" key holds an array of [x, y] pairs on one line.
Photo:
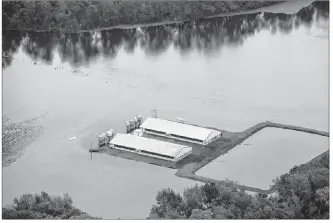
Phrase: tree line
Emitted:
{"points": [[206, 35], [303, 193], [71, 16]]}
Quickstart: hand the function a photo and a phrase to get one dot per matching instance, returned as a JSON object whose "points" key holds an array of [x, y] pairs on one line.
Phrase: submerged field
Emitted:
{"points": [[265, 156]]}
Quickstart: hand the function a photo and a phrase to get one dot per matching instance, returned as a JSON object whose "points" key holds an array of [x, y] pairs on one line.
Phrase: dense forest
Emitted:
{"points": [[72, 16], [206, 35], [43, 206], [303, 193]]}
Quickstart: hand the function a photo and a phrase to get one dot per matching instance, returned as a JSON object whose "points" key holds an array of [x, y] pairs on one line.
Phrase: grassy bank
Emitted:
{"points": [[73, 16]]}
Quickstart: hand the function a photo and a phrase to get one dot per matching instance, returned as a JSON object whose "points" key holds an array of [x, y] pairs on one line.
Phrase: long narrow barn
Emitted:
{"points": [[179, 131], [150, 147]]}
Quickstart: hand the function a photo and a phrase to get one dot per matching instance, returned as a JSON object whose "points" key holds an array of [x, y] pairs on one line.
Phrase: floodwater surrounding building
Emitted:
{"points": [[150, 147], [179, 131], [229, 89]]}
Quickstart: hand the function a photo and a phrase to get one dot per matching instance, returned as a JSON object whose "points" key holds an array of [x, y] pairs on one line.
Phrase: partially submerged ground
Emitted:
{"points": [[203, 155]]}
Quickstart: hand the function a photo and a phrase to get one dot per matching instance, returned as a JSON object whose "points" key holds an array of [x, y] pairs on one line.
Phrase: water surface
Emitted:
{"points": [[229, 73], [264, 156]]}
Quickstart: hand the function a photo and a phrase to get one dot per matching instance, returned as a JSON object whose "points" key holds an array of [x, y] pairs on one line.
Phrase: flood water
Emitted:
{"points": [[264, 156], [228, 72]]}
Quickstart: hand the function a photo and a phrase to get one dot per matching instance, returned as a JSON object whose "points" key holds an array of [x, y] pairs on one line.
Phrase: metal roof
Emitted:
{"points": [[150, 145], [177, 128]]}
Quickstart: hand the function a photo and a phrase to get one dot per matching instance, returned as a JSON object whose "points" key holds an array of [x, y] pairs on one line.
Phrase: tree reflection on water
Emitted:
{"points": [[205, 35]]}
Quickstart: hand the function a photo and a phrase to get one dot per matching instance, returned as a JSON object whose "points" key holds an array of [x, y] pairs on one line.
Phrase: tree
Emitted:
{"points": [[200, 214], [320, 205], [319, 178], [210, 193], [167, 201], [193, 199], [242, 202], [219, 212], [43, 206]]}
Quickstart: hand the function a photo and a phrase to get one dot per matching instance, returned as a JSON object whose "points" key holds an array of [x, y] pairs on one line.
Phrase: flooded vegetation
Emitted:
{"points": [[15, 136], [228, 72]]}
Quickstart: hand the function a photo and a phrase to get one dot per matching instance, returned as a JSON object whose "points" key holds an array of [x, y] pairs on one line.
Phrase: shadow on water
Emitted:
{"points": [[205, 35]]}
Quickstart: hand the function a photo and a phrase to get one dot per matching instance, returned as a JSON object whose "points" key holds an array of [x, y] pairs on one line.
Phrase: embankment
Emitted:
{"points": [[221, 147]]}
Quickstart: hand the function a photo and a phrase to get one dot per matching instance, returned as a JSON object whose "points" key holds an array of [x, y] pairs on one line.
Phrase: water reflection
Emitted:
{"points": [[205, 35], [10, 43], [40, 46]]}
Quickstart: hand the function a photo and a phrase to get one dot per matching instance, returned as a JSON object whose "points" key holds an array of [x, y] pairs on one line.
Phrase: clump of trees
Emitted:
{"points": [[43, 206], [303, 193], [81, 15]]}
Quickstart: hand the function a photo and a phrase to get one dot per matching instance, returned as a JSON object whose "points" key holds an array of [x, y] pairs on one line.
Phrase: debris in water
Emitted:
{"points": [[181, 120]]}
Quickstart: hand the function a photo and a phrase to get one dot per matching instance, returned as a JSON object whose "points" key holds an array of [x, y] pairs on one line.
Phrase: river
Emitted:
{"points": [[226, 72]]}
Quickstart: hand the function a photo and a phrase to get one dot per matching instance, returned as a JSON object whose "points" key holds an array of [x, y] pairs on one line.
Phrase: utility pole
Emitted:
{"points": [[91, 151]]}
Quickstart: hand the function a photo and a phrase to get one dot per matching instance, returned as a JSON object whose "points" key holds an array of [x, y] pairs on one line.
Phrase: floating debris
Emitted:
{"points": [[70, 139], [181, 120]]}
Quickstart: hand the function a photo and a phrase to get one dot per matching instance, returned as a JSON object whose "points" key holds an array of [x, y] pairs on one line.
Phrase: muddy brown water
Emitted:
{"points": [[229, 77]]}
